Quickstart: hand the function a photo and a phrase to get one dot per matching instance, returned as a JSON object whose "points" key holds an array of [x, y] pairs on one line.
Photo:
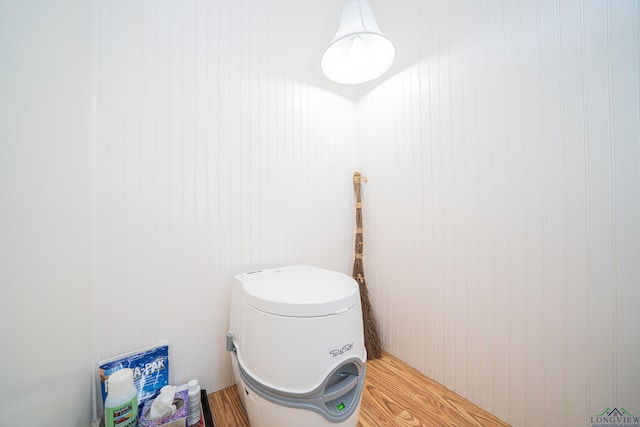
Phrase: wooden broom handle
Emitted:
{"points": [[357, 180]]}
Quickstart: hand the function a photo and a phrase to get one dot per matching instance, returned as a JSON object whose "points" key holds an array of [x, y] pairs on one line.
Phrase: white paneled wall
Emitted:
{"points": [[219, 149], [503, 203], [45, 213], [502, 212]]}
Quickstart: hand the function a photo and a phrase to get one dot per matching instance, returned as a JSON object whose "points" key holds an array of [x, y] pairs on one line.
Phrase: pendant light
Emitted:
{"points": [[359, 51]]}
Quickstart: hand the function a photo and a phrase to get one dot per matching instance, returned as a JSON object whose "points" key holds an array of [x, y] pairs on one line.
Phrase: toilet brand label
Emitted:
{"points": [[342, 350]]}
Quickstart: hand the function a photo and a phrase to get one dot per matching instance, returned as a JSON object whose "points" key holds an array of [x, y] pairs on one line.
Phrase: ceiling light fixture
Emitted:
{"points": [[359, 51]]}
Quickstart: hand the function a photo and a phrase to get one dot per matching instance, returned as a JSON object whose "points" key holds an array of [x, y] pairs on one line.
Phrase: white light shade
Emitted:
{"points": [[359, 51]]}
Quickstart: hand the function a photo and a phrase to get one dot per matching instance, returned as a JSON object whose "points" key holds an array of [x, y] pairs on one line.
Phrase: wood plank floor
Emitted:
{"points": [[394, 394]]}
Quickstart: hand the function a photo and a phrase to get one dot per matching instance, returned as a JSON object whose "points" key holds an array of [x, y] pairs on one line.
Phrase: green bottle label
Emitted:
{"points": [[124, 415]]}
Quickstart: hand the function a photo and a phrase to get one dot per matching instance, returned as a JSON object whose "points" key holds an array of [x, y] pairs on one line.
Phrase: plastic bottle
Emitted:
{"points": [[194, 405], [121, 404]]}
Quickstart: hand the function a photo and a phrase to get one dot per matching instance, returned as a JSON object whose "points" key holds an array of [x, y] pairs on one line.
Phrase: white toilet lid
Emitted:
{"points": [[298, 291]]}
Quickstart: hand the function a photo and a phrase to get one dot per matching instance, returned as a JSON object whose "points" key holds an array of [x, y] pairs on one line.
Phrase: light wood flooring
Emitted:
{"points": [[394, 394]]}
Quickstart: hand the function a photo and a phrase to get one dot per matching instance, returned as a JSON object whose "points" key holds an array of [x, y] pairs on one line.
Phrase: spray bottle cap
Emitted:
{"points": [[120, 382]]}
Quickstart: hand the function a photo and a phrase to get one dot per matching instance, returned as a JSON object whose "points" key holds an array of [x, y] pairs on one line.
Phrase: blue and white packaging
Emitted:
{"points": [[150, 371]]}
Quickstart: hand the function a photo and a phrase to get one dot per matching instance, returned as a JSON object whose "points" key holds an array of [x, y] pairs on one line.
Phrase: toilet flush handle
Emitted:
{"points": [[230, 345]]}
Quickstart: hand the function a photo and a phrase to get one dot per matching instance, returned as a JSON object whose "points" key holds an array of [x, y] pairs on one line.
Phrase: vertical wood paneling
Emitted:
{"points": [[519, 235], [216, 154], [625, 103], [575, 139], [600, 232], [502, 205], [515, 211]]}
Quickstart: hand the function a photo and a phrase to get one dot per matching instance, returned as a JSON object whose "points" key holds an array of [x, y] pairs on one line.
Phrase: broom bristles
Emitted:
{"points": [[372, 341]]}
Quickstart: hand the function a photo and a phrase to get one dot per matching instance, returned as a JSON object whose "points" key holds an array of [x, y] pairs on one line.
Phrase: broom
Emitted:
{"points": [[372, 340]]}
